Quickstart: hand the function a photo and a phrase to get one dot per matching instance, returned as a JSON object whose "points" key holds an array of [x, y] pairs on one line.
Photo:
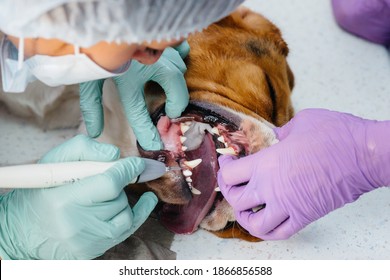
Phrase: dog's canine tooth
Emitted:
{"points": [[221, 139], [184, 148], [195, 191], [188, 123], [184, 128], [217, 189], [215, 130], [183, 139], [187, 173], [227, 151], [193, 163]]}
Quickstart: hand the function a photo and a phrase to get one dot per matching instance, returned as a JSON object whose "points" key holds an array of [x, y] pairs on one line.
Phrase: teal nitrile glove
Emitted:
{"points": [[76, 221], [168, 72]]}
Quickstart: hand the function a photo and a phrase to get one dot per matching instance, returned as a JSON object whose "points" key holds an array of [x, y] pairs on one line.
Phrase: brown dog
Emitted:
{"points": [[240, 84]]}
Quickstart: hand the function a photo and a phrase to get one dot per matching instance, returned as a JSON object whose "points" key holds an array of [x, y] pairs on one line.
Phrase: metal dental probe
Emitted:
{"points": [[47, 175]]}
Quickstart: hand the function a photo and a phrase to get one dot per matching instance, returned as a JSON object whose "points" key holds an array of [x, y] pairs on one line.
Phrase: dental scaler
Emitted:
{"points": [[47, 175]]}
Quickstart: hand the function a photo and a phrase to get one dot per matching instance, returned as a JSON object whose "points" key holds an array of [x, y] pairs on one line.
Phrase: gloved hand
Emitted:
{"points": [[168, 71], [324, 160], [77, 221], [369, 19]]}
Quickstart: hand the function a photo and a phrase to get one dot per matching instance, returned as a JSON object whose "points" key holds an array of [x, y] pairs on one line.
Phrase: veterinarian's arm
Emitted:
{"points": [[168, 71], [78, 221], [324, 160]]}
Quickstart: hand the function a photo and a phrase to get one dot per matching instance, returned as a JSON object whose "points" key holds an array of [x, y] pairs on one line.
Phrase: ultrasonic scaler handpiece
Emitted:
{"points": [[47, 175]]}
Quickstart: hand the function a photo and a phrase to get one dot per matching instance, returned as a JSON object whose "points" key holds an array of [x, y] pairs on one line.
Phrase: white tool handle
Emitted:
{"points": [[46, 175]]}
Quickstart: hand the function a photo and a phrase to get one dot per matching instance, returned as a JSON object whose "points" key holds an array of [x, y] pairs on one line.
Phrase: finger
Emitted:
{"points": [[284, 131], [172, 58], [242, 197], [183, 49], [142, 210], [135, 217], [175, 88], [284, 231], [139, 119], [108, 186], [262, 222], [79, 148], [91, 106], [107, 210], [120, 225], [236, 171]]}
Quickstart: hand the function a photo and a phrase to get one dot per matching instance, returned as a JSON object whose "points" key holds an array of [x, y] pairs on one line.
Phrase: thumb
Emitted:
{"points": [[108, 185], [138, 117], [236, 171], [283, 132], [81, 147], [91, 106], [183, 49]]}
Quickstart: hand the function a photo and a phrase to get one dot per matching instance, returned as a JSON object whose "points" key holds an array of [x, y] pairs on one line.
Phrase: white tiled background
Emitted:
{"points": [[333, 70]]}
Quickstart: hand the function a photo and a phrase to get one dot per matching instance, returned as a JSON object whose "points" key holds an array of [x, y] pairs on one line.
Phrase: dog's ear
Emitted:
{"points": [[258, 24], [291, 79]]}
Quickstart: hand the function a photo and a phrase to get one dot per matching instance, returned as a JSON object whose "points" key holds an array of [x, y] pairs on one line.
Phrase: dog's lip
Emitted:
{"points": [[211, 114], [185, 219]]}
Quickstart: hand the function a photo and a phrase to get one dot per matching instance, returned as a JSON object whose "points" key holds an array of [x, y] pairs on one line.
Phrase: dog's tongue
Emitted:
{"points": [[185, 219]]}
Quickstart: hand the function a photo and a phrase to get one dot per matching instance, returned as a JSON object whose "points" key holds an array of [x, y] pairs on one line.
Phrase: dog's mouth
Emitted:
{"points": [[194, 142]]}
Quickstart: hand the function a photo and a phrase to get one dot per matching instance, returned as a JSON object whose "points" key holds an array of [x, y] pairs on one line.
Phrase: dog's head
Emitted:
{"points": [[240, 85]]}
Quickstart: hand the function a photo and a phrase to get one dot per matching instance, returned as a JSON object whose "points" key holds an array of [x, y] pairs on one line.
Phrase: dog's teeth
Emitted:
{"points": [[184, 128], [188, 123], [193, 163], [195, 191], [184, 148], [215, 130], [256, 209], [188, 180], [217, 189], [221, 139], [227, 151], [187, 173], [182, 139]]}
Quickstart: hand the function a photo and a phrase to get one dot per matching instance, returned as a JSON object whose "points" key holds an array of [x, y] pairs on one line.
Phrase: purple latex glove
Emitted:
{"points": [[369, 19], [324, 160]]}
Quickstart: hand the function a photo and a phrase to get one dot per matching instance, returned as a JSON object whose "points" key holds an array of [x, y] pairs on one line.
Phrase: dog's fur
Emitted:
{"points": [[238, 63]]}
